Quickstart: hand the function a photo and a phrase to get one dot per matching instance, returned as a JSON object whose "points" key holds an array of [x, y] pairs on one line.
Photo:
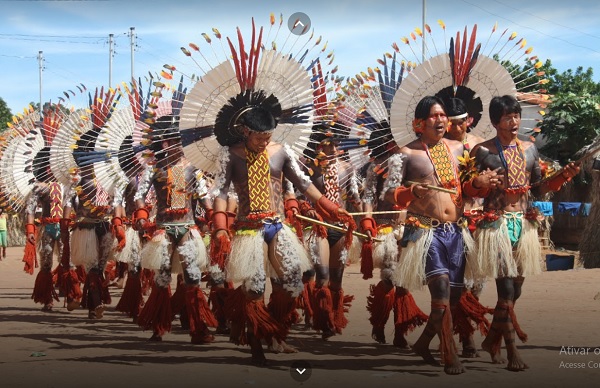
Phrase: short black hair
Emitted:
{"points": [[258, 119], [455, 107], [424, 106], [502, 105]]}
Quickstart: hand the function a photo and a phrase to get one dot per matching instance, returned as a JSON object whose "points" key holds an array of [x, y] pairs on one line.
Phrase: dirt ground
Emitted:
{"points": [[559, 310]]}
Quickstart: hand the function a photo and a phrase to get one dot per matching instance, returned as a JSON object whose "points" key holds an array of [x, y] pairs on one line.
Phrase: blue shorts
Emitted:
{"points": [[3, 240], [446, 255]]}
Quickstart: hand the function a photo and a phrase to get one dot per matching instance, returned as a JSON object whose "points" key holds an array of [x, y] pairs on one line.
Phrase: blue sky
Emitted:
{"points": [[73, 35]]}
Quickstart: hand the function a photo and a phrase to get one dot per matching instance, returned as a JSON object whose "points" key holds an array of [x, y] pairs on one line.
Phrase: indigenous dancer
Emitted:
{"points": [[85, 201], [508, 244], [434, 236], [336, 179], [237, 105], [385, 296], [256, 166], [366, 109], [128, 255], [48, 195], [459, 129], [176, 246]]}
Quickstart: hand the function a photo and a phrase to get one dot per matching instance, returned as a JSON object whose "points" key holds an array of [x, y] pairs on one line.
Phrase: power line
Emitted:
{"points": [[532, 29], [548, 20], [53, 36]]}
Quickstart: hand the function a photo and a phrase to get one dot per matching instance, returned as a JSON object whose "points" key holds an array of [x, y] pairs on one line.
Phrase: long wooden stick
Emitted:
{"points": [[335, 227], [588, 154], [382, 212], [431, 187]]}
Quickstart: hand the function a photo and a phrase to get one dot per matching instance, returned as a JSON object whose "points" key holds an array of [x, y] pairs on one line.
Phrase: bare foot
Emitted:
{"points": [[515, 362], [455, 367], [73, 304], [400, 341], [258, 356], [378, 335], [201, 339], [425, 354], [223, 329], [155, 338], [469, 352], [487, 345], [326, 334], [282, 347], [99, 311], [47, 308]]}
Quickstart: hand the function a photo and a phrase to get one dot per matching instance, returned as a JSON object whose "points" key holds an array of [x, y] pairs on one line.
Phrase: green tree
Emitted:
{"points": [[570, 124], [5, 115], [579, 82]]}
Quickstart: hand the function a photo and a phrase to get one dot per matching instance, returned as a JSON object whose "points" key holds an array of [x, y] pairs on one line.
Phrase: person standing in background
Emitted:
{"points": [[3, 230]]}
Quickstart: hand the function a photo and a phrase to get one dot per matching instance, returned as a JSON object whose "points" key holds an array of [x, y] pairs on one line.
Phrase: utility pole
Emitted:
{"points": [[41, 67], [132, 40], [423, 29], [110, 58]]}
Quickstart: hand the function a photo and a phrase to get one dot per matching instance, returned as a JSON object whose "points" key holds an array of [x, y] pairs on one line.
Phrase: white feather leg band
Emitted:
{"points": [[155, 251], [410, 271], [294, 262], [311, 244], [132, 244], [84, 247], [385, 253], [193, 254], [246, 262]]}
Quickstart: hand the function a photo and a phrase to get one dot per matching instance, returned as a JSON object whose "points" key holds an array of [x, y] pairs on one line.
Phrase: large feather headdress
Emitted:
{"points": [[466, 69], [271, 69]]}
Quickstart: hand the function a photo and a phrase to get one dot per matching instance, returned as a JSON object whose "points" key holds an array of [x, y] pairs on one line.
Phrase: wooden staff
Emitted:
{"points": [[335, 227], [382, 212], [590, 152], [431, 187]]}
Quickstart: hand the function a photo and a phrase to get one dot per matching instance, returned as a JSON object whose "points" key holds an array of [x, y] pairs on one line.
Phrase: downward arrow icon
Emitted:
{"points": [[301, 371]]}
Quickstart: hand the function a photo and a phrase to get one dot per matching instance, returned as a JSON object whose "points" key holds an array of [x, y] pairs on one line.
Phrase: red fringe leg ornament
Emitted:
{"points": [[178, 304], [68, 278], [95, 293], [43, 289], [147, 280], [341, 305], [156, 313], [367, 224], [282, 307], [447, 344], [131, 299], [407, 315], [110, 271], [30, 254], [254, 315], [306, 300], [199, 315], [220, 246], [323, 320], [217, 298], [329, 211], [466, 311], [379, 304], [513, 317]]}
